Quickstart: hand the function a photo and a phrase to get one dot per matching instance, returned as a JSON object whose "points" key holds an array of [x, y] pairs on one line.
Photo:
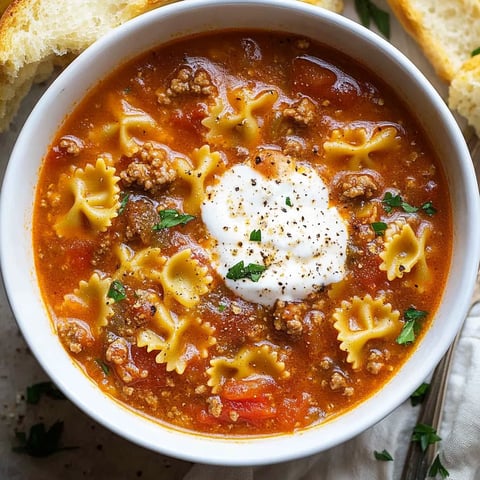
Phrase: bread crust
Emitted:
{"points": [[464, 92], [446, 30], [38, 35]]}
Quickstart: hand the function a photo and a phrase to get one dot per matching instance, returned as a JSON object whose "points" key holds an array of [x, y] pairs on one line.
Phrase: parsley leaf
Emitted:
{"points": [[35, 392], [252, 271], [41, 442], [379, 228], [105, 368], [288, 202], [475, 52], [256, 236], [383, 456], [414, 314], [116, 291], [391, 201], [411, 326], [438, 469], [425, 434], [418, 395], [368, 11], [429, 209], [172, 218], [123, 202]]}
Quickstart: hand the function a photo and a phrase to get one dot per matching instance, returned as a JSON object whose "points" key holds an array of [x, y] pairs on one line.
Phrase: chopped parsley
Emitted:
{"points": [[256, 236], [123, 202], [221, 307], [36, 391], [383, 456], [418, 395], [252, 271], [368, 11], [429, 209], [117, 291], [172, 218], [379, 228], [425, 435], [475, 52], [391, 201], [41, 442], [105, 368], [288, 202], [438, 469], [411, 326]]}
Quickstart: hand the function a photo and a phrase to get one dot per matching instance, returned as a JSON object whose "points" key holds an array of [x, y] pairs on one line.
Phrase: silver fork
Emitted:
{"points": [[418, 462]]}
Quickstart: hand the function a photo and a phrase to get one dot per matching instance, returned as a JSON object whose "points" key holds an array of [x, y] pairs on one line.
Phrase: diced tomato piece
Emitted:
{"points": [[294, 412], [319, 78], [248, 389], [80, 254], [189, 119]]}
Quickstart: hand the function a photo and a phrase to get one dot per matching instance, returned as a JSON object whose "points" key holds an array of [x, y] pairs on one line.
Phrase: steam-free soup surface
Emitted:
{"points": [[241, 233]]}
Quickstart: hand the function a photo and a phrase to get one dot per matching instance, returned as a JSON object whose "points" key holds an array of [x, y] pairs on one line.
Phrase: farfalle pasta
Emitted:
{"points": [[185, 279], [248, 361], [90, 301], [355, 146], [238, 119], [404, 254], [363, 319], [204, 164], [177, 340], [93, 199], [237, 234]]}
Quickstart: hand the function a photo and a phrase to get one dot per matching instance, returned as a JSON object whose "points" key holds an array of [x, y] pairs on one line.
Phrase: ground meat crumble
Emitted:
{"points": [[150, 169], [197, 82]]}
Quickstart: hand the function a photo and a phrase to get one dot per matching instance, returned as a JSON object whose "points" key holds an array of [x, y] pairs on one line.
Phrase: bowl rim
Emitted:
{"points": [[185, 445]]}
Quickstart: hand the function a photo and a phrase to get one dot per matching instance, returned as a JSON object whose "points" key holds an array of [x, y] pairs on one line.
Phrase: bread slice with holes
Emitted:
{"points": [[464, 92], [446, 30], [38, 35]]}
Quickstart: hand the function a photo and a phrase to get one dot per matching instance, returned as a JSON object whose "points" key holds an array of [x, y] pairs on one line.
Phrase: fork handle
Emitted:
{"points": [[418, 462]]}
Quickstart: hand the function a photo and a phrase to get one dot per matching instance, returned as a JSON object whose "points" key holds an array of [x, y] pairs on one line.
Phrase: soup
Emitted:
{"points": [[241, 233]]}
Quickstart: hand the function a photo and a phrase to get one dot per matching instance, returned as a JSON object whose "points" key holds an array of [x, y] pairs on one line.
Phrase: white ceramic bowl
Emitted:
{"points": [[196, 16]]}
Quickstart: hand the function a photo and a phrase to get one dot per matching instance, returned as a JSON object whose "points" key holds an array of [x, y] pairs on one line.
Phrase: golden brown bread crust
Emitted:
{"points": [[446, 30], [413, 23], [38, 35]]}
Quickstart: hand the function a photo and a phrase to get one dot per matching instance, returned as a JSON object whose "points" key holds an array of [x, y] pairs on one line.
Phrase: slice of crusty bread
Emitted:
{"points": [[446, 30], [464, 92], [38, 35]]}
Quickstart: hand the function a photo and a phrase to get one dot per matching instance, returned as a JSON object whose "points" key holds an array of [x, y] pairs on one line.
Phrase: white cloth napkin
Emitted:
{"points": [[354, 460]]}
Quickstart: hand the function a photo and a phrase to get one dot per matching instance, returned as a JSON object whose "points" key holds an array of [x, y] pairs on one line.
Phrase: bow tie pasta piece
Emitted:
{"points": [[404, 253], [132, 126], [356, 145], [238, 122], [90, 299], [361, 320], [185, 279], [250, 360], [178, 340], [94, 194], [204, 164], [144, 264]]}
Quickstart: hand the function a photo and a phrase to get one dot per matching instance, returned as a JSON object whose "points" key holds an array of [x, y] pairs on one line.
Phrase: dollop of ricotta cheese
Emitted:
{"points": [[303, 240]]}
